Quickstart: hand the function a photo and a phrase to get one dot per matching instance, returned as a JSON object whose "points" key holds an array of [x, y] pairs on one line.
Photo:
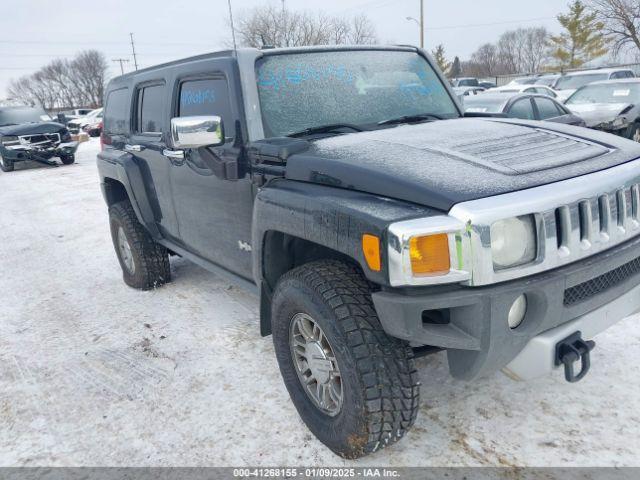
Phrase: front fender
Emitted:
{"points": [[332, 217]]}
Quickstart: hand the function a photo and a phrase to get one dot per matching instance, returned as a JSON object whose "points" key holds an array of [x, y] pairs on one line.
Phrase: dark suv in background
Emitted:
{"points": [[28, 133], [345, 186]]}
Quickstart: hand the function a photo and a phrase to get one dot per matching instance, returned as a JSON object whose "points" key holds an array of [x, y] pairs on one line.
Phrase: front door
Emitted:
{"points": [[214, 214]]}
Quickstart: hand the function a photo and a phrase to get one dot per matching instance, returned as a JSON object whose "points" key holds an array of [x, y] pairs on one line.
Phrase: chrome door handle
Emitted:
{"points": [[133, 148], [173, 154]]}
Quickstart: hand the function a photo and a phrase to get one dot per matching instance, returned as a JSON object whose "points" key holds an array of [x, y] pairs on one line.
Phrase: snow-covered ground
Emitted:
{"points": [[95, 373]]}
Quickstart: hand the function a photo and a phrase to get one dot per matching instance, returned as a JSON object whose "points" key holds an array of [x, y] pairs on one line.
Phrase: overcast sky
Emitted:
{"points": [[32, 32]]}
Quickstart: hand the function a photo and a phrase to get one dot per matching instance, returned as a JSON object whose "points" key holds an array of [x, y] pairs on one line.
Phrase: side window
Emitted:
{"points": [[548, 109], [116, 113], [522, 109], [206, 97], [628, 75], [149, 109]]}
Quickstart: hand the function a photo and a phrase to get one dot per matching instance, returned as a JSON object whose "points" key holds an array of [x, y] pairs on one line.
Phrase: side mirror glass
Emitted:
{"points": [[196, 132]]}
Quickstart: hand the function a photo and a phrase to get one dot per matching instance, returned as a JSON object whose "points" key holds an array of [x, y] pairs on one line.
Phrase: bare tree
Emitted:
{"points": [[621, 20], [536, 51], [523, 50], [285, 28], [64, 83], [485, 60]]}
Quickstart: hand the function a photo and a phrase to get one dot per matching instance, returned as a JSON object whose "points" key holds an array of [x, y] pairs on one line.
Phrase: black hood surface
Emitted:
{"points": [[440, 164], [31, 128]]}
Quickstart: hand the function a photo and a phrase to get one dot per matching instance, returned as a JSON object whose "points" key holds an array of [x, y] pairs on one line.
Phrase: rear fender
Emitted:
{"points": [[121, 167]]}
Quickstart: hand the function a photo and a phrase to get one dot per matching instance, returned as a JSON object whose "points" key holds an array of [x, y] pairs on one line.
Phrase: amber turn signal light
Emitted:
{"points": [[371, 250], [430, 255]]}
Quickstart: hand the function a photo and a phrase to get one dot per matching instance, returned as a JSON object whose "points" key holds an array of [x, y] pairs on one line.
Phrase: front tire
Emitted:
{"points": [[145, 263], [376, 399], [6, 165], [68, 159]]}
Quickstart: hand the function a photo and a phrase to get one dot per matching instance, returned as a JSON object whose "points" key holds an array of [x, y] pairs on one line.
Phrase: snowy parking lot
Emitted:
{"points": [[95, 373]]}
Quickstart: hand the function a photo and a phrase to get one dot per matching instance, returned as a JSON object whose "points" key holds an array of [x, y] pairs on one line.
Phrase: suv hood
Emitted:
{"points": [[31, 128], [440, 164], [596, 113]]}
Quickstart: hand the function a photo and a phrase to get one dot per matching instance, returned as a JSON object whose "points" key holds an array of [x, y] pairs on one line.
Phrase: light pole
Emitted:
{"points": [[420, 23]]}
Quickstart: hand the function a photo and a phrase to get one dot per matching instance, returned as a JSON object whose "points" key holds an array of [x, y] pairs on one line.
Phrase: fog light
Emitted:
{"points": [[517, 312]]}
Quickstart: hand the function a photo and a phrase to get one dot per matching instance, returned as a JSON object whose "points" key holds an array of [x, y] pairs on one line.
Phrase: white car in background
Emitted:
{"points": [[77, 125], [520, 88], [566, 85]]}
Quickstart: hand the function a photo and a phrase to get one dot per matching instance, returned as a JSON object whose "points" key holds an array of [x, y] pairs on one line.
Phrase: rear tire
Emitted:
{"points": [[379, 388], [68, 159], [145, 263], [6, 165]]}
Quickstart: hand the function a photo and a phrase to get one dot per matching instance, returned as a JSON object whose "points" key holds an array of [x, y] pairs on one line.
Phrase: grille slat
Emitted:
{"points": [[586, 290]]}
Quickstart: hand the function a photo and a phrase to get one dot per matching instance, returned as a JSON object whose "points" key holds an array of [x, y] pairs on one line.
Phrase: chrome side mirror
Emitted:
{"points": [[196, 132]]}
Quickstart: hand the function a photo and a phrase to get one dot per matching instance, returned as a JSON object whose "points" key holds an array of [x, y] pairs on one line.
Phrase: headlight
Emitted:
{"points": [[513, 242], [10, 140]]}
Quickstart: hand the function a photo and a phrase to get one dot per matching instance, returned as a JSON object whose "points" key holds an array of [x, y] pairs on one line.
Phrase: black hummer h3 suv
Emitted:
{"points": [[29, 133], [376, 223]]}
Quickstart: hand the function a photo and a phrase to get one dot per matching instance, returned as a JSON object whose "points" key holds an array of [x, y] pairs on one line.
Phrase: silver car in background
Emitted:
{"points": [[612, 106], [526, 106], [569, 83]]}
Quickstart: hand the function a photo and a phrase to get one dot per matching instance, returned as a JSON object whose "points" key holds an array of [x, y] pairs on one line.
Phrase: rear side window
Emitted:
{"points": [[548, 109], [116, 113], [206, 97], [522, 109], [150, 108]]}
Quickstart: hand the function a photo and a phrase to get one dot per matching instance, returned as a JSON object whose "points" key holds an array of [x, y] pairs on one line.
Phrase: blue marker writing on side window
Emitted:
{"points": [[197, 97]]}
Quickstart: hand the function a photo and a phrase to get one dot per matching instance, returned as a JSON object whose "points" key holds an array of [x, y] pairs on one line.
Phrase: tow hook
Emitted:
{"points": [[569, 351]]}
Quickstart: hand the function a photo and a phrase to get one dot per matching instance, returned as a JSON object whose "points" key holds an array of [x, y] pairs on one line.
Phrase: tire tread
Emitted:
{"points": [[154, 269], [384, 364]]}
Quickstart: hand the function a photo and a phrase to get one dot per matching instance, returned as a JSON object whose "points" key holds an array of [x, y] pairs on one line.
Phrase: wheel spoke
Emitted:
{"points": [[316, 363]]}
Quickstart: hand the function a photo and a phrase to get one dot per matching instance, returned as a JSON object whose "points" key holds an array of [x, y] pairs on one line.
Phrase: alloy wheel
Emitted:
{"points": [[316, 364], [125, 251]]}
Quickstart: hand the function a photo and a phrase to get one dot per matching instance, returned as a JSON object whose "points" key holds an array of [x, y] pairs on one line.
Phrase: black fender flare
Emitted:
{"points": [[123, 168]]}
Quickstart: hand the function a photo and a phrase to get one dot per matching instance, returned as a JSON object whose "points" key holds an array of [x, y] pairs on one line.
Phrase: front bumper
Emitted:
{"points": [[471, 323], [27, 152]]}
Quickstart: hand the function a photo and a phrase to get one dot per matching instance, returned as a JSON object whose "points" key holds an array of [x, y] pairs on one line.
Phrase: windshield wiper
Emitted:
{"points": [[325, 129], [411, 119]]}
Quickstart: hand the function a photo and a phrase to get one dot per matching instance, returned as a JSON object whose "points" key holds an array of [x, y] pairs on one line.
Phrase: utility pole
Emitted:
{"points": [[133, 48], [233, 29], [421, 23], [121, 61]]}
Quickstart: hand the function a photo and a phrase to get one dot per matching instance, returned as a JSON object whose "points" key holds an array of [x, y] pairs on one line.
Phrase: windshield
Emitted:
{"points": [[485, 104], [306, 90], [574, 82], [547, 81], [611, 93], [95, 113], [524, 81], [16, 116]]}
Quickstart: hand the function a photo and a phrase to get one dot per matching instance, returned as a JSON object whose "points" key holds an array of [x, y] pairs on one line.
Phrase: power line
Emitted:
{"points": [[507, 22], [48, 42]]}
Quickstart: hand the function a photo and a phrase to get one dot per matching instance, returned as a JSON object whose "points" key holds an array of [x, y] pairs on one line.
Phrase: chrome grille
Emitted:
{"points": [[595, 223], [39, 139]]}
